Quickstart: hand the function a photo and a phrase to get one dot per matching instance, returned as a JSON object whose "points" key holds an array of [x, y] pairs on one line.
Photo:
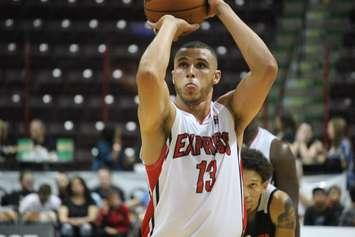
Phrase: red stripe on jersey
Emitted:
{"points": [[245, 219], [153, 173]]}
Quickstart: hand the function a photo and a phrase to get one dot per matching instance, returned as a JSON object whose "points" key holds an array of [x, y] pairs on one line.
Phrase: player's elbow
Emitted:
{"points": [[271, 69], [146, 72]]}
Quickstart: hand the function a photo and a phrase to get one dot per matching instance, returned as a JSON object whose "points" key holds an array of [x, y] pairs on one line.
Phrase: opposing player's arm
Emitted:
{"points": [[155, 109], [247, 99], [284, 164], [283, 214]]}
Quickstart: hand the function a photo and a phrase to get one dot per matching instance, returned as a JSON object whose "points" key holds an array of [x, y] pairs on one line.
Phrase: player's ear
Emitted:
{"points": [[217, 76]]}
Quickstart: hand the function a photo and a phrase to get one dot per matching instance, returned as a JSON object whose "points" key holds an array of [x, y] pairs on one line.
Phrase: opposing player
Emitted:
{"points": [[270, 211], [190, 146]]}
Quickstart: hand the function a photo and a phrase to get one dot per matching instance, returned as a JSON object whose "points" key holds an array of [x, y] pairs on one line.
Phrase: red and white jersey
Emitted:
{"points": [[196, 185]]}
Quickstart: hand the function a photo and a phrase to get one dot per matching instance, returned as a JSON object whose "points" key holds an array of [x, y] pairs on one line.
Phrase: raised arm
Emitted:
{"points": [[155, 109], [283, 215], [249, 96]]}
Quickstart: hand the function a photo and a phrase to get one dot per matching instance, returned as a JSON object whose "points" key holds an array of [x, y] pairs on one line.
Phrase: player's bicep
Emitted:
{"points": [[250, 95], [154, 102]]}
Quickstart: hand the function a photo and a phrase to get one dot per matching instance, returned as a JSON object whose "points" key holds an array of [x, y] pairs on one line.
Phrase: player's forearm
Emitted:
{"points": [[255, 52], [155, 59]]}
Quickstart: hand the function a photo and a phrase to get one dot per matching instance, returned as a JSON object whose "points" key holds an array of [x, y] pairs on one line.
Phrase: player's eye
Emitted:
{"points": [[183, 65], [201, 65]]}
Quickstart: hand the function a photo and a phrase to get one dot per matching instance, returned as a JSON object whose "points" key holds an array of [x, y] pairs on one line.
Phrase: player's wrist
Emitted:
{"points": [[221, 7]]}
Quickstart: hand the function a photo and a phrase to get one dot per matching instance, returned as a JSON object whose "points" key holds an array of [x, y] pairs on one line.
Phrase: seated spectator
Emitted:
{"points": [[306, 147], [334, 197], [110, 153], [105, 185], [41, 206], [14, 198], [62, 182], [348, 216], [38, 135], [319, 213], [78, 212], [7, 149], [340, 148], [113, 218], [285, 127]]}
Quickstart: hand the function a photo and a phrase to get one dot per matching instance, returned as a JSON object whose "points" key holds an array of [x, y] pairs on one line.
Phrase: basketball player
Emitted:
{"points": [[190, 146], [270, 210], [282, 159]]}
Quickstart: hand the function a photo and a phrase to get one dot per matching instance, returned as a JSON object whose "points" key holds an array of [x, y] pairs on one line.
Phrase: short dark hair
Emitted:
{"points": [[198, 45], [45, 190], [255, 160], [318, 189]]}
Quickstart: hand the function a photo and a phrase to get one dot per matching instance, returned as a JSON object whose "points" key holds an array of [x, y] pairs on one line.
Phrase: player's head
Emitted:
{"points": [[257, 172], [195, 72]]}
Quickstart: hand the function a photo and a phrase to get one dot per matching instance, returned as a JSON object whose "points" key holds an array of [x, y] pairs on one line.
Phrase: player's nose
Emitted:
{"points": [[191, 71]]}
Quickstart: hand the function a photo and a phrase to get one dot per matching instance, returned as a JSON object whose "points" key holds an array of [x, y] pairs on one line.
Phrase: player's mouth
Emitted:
{"points": [[191, 86]]}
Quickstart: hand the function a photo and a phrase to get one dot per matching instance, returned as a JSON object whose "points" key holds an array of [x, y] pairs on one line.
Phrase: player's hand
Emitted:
{"points": [[213, 7], [182, 26]]}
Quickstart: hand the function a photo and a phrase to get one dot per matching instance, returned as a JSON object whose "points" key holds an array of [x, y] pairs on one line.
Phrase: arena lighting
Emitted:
{"points": [[37, 23], [43, 47], [94, 151], [65, 23], [99, 125], [9, 22], [239, 2], [133, 48], [99, 1], [109, 99], [101, 48], [221, 50], [68, 125], [78, 99], [243, 74], [126, 1], [16, 98], [47, 99], [117, 74], [205, 25], [74, 48], [71, 1], [87, 73], [131, 126], [129, 151], [56, 72], [44, 0], [93, 23], [11, 47], [121, 24]]}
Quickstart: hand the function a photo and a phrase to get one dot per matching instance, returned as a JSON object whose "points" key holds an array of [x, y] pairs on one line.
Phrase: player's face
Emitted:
{"points": [[253, 188], [195, 72]]}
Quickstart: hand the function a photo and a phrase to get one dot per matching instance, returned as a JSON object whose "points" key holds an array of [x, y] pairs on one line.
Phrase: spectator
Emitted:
{"points": [[306, 147], [105, 184], [348, 217], [62, 182], [113, 219], [285, 127], [78, 212], [6, 148], [109, 147], [39, 137], [41, 206], [334, 196], [340, 149], [14, 198], [319, 213]]}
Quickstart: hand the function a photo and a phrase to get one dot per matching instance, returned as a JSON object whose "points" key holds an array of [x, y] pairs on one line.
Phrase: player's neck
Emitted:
{"points": [[200, 111]]}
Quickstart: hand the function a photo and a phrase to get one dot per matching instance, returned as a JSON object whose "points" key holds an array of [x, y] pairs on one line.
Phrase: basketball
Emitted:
{"points": [[193, 11]]}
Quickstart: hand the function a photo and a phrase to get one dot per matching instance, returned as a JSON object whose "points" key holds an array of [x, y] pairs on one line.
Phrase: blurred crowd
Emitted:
{"points": [[74, 209]]}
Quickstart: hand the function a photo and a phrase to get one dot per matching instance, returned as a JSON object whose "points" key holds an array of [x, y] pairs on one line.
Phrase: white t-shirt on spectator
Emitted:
{"points": [[31, 203]]}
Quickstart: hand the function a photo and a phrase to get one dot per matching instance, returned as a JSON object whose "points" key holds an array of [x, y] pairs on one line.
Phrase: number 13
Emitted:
{"points": [[211, 168]]}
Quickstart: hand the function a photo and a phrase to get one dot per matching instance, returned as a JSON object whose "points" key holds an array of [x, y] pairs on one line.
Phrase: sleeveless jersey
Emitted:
{"points": [[262, 142], [196, 185], [261, 225]]}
